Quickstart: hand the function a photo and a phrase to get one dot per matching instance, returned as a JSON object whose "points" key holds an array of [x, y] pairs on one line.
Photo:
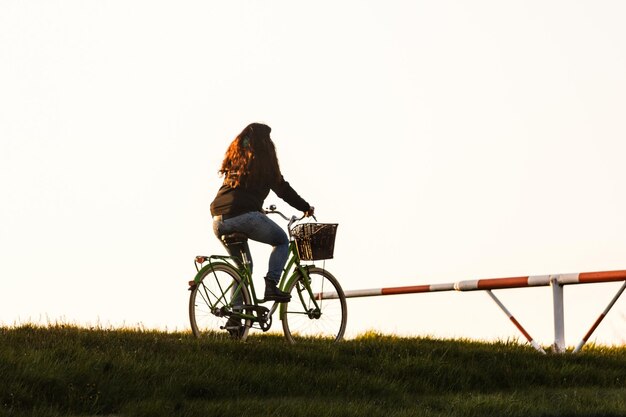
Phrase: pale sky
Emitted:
{"points": [[450, 140]]}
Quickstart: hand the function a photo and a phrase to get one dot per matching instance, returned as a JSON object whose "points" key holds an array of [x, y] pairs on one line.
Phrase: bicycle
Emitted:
{"points": [[223, 296]]}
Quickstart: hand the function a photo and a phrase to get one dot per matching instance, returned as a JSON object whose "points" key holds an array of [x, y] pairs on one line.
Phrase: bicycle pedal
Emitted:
{"points": [[276, 299]]}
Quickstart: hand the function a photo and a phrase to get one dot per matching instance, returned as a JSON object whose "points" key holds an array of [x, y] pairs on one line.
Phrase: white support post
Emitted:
{"points": [[559, 317]]}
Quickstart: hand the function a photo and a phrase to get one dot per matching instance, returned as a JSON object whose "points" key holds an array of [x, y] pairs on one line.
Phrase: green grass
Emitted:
{"points": [[64, 370]]}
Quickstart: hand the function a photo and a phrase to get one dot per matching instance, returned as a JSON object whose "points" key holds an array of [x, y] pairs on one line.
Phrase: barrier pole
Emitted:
{"points": [[600, 318], [515, 322]]}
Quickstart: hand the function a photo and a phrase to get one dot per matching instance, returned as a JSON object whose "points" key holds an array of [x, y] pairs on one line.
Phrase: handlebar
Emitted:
{"points": [[272, 210]]}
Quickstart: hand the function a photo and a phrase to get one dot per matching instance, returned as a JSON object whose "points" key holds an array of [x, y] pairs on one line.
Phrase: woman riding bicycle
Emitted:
{"points": [[250, 169]]}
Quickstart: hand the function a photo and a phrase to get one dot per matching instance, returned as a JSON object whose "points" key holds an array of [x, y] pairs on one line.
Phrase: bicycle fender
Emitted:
{"points": [[210, 265]]}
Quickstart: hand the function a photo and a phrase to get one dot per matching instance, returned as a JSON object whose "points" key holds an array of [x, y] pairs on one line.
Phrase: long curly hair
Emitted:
{"points": [[251, 158]]}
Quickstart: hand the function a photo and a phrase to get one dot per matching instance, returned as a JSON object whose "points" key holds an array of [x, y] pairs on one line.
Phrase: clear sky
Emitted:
{"points": [[451, 140]]}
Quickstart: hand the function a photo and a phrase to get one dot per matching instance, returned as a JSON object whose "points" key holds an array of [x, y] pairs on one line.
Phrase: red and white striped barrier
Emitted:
{"points": [[557, 281], [492, 284]]}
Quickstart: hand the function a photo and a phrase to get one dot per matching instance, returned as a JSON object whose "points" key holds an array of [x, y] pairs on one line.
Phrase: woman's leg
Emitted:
{"points": [[257, 226]]}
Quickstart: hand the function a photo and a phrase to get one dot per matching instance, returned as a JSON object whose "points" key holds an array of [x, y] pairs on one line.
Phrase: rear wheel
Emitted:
{"points": [[316, 310], [213, 301]]}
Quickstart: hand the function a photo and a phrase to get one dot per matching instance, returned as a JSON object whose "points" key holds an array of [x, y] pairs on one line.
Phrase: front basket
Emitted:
{"points": [[315, 241]]}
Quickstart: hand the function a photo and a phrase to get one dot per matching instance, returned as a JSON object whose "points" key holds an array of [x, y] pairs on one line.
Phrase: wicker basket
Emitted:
{"points": [[315, 241]]}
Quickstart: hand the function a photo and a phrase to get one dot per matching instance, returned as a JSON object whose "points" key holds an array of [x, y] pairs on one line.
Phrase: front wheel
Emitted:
{"points": [[317, 308], [213, 300]]}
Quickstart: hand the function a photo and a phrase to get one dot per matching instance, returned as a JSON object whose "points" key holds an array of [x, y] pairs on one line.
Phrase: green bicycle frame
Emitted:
{"points": [[243, 270]]}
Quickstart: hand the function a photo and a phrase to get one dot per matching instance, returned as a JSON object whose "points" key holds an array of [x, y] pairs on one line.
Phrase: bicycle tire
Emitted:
{"points": [[301, 320], [209, 295]]}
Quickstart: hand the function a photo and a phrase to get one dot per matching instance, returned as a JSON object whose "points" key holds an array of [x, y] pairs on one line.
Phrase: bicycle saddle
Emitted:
{"points": [[232, 238]]}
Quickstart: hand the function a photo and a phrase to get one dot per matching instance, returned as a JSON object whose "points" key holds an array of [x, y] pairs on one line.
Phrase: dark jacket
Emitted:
{"points": [[243, 199]]}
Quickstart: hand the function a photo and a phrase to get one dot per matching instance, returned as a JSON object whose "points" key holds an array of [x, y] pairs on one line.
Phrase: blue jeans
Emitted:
{"points": [[257, 226]]}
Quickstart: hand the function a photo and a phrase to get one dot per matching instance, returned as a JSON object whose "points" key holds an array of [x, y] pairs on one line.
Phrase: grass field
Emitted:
{"points": [[63, 370]]}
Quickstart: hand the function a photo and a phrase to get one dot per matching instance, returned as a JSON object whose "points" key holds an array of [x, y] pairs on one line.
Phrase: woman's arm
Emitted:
{"points": [[287, 193]]}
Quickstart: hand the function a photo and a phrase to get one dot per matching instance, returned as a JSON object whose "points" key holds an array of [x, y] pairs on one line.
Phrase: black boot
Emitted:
{"points": [[272, 293]]}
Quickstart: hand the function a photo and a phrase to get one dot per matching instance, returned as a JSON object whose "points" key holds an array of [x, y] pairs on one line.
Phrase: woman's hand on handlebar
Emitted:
{"points": [[310, 212]]}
